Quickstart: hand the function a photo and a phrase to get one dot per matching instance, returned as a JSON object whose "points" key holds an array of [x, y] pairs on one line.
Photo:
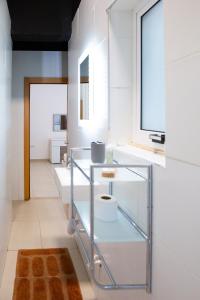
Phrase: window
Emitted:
{"points": [[152, 81]]}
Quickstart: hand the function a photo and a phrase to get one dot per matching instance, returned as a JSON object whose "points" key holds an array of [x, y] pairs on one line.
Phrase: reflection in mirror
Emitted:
{"points": [[59, 122], [84, 89]]}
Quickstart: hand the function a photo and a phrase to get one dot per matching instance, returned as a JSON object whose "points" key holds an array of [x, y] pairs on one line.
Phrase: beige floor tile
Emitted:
{"points": [[25, 235], [45, 191], [84, 281], [7, 286], [40, 209], [49, 215], [54, 234], [49, 209], [42, 179], [47, 201], [24, 211]]}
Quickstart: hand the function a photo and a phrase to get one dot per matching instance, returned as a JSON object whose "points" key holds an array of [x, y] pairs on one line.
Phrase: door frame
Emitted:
{"points": [[27, 83]]}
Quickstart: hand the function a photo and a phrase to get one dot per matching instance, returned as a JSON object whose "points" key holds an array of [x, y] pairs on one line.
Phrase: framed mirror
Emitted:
{"points": [[59, 122], [85, 95], [84, 89]]}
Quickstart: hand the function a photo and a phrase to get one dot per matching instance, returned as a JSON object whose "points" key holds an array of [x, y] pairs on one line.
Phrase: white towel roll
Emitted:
{"points": [[105, 208]]}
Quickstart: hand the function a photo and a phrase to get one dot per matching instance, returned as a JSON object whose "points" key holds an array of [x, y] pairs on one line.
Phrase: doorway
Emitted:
{"points": [[36, 155]]}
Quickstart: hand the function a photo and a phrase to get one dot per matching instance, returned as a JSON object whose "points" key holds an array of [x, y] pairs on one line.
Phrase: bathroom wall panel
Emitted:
{"points": [[183, 106], [177, 206], [183, 55], [182, 23], [120, 115], [177, 197], [120, 62], [100, 21], [87, 21], [121, 49], [171, 279], [5, 130], [121, 23], [121, 79]]}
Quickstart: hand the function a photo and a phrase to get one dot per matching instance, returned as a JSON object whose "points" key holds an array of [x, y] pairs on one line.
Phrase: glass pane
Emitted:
{"points": [[153, 90]]}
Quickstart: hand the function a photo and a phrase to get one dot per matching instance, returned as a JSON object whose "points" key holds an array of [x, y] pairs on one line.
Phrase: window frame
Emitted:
{"points": [[142, 135]]}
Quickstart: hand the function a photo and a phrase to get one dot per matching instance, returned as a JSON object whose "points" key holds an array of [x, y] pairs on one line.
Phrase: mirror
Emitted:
{"points": [[59, 122], [84, 111]]}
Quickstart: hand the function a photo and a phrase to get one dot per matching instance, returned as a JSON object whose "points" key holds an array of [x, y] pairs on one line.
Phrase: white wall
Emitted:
{"points": [[176, 230], [177, 223], [89, 32], [28, 64], [121, 77], [45, 101], [5, 130]]}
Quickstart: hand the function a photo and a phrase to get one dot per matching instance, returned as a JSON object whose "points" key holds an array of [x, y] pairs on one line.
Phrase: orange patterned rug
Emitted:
{"points": [[45, 274]]}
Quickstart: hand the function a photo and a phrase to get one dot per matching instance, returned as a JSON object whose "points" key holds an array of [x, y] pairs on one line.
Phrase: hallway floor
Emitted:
{"points": [[42, 180], [41, 224]]}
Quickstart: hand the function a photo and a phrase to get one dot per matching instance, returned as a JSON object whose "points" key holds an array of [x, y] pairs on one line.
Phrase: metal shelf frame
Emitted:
{"points": [[93, 246]]}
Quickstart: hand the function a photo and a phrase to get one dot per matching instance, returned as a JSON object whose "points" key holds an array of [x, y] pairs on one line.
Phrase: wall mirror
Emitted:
{"points": [[84, 89], [85, 95], [59, 122]]}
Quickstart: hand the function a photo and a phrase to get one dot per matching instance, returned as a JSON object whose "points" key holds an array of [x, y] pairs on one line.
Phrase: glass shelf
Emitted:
{"points": [[108, 232], [122, 174]]}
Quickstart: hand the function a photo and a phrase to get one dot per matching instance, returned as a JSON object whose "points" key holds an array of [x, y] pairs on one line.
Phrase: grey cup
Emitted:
{"points": [[98, 152]]}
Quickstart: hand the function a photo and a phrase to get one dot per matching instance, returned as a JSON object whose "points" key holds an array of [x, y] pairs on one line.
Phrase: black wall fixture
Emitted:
{"points": [[41, 24]]}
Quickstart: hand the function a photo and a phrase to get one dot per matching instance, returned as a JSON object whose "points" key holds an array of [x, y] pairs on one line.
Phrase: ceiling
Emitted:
{"points": [[41, 24]]}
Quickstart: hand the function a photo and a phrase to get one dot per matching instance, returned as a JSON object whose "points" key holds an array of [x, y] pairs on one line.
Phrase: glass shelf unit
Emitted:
{"points": [[125, 235]]}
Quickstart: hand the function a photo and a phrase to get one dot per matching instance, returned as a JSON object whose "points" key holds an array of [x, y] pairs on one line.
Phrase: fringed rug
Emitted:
{"points": [[45, 274]]}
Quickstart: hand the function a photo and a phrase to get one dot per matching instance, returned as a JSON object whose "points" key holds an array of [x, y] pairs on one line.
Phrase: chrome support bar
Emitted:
{"points": [[72, 182], [83, 247], [133, 223], [92, 219], [149, 222], [105, 266], [134, 172], [88, 178]]}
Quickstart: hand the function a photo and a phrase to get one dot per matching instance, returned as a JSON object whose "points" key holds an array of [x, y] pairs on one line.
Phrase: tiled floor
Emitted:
{"points": [[41, 223], [42, 180]]}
